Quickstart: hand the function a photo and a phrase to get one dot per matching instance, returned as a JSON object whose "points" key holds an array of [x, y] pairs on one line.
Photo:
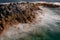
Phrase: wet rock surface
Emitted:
{"points": [[15, 13]]}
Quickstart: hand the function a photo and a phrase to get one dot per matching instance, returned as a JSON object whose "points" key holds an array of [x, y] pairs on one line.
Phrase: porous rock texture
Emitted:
{"points": [[14, 13]]}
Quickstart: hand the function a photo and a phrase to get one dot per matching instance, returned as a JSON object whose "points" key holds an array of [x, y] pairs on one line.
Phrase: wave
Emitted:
{"points": [[27, 19]]}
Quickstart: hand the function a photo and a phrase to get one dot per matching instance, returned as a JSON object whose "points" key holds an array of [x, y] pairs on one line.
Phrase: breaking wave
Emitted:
{"points": [[46, 26]]}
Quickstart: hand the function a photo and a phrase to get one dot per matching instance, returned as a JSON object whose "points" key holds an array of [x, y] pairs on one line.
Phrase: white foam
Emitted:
{"points": [[48, 18]]}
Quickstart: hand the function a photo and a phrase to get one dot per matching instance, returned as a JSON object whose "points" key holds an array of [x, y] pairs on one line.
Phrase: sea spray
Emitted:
{"points": [[44, 27]]}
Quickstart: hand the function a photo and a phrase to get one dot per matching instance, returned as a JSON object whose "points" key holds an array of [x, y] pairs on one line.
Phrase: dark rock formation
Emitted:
{"points": [[15, 13]]}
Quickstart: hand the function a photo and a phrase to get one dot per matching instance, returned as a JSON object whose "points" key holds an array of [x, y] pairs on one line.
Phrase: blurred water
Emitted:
{"points": [[51, 27], [55, 35], [3, 1]]}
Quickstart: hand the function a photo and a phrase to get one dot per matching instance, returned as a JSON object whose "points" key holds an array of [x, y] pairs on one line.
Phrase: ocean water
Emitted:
{"points": [[50, 30], [3, 1]]}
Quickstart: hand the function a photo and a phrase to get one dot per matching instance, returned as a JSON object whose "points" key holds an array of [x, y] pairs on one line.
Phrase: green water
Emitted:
{"points": [[45, 34]]}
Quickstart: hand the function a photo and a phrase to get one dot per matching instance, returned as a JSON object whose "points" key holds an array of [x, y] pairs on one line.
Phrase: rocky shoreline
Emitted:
{"points": [[14, 13]]}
